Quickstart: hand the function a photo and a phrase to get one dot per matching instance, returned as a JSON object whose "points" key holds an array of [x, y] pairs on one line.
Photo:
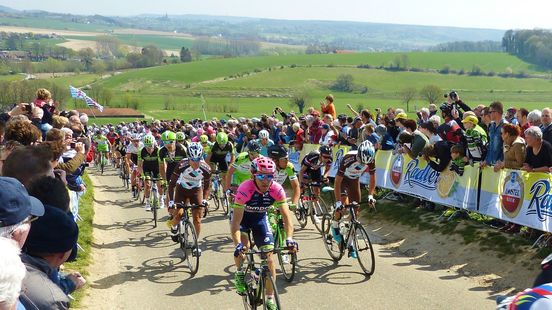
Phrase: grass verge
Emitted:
{"points": [[86, 211], [470, 230]]}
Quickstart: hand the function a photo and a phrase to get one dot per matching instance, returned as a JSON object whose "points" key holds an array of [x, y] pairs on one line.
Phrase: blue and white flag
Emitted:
{"points": [[79, 94]]}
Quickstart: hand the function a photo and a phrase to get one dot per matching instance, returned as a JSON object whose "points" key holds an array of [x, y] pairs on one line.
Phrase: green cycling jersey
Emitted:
{"points": [[242, 169], [282, 174], [102, 143]]}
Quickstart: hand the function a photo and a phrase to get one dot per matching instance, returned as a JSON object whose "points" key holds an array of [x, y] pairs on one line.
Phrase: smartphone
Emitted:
{"points": [[72, 145]]}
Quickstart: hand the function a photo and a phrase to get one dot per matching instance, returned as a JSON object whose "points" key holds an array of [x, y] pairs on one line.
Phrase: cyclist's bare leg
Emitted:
{"points": [[148, 189], [197, 214], [272, 268]]}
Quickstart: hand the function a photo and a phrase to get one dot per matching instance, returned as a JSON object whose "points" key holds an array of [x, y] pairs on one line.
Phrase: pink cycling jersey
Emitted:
{"points": [[249, 197]]}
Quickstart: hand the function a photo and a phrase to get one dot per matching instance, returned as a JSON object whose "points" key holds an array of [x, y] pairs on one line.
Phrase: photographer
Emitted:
{"points": [[453, 99], [449, 131]]}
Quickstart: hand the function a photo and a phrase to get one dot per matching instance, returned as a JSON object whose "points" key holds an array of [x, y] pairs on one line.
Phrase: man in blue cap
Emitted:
{"points": [[17, 210], [51, 241]]}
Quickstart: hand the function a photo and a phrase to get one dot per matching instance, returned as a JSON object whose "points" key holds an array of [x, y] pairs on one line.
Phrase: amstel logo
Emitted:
{"points": [[397, 171], [512, 194]]}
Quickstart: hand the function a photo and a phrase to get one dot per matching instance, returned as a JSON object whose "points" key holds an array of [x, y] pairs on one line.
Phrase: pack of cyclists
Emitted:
{"points": [[253, 178]]}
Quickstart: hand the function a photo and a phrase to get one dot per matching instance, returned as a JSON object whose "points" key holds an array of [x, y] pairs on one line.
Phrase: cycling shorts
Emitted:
{"points": [[351, 189], [154, 173], [259, 227], [314, 175], [221, 162]]}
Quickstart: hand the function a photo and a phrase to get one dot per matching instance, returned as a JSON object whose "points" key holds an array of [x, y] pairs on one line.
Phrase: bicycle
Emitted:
{"points": [[354, 238], [103, 161], [187, 238], [139, 187], [216, 189], [153, 198], [257, 275], [124, 173], [287, 260], [313, 206]]}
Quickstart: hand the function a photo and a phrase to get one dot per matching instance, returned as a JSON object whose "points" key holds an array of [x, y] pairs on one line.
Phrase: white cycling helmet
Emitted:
{"points": [[263, 134], [195, 150]]}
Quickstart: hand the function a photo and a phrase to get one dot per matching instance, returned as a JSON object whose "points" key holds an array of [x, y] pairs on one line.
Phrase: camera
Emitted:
{"points": [[72, 145], [453, 95]]}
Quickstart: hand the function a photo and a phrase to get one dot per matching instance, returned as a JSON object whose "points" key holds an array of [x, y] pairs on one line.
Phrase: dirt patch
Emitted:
{"points": [[78, 45], [498, 272]]}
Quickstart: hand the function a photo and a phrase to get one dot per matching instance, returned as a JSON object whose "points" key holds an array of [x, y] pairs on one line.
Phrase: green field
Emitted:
{"points": [[53, 24], [260, 89], [162, 42]]}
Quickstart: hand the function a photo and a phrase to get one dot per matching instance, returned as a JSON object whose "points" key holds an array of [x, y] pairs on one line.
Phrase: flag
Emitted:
{"points": [[79, 94], [76, 93], [92, 103]]}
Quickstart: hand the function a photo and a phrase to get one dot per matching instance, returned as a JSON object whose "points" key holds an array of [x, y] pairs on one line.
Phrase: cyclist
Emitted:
{"points": [[253, 199], [190, 183], [120, 146], [148, 167], [219, 151], [181, 140], [264, 141], [206, 144], [112, 136], [132, 158], [285, 170], [102, 145], [169, 156], [240, 171], [347, 184], [311, 168]]}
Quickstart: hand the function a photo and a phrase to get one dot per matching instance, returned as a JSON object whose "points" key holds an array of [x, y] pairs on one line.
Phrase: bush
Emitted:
{"points": [[445, 69], [343, 83]]}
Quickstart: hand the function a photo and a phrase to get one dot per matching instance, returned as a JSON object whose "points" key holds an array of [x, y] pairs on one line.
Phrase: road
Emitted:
{"points": [[138, 267]]}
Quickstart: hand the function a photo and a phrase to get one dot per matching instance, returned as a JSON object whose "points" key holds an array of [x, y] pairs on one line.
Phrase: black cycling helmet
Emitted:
{"points": [[325, 150], [253, 146], [277, 151]]}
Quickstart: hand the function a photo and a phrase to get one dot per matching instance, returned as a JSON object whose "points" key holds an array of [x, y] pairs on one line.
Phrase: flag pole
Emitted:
{"points": [[203, 107]]}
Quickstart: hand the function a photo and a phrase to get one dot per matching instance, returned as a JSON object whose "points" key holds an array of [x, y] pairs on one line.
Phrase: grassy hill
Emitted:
{"points": [[262, 89]]}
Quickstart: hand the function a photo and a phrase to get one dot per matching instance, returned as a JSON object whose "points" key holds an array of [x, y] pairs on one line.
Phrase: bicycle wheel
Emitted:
{"points": [[154, 207], [189, 237], [102, 164], [225, 203], [267, 277], [301, 214], [334, 248], [218, 197], [287, 259], [364, 249], [316, 214]]}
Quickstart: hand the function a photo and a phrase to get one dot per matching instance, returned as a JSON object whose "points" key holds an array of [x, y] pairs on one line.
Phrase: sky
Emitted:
{"points": [[496, 14]]}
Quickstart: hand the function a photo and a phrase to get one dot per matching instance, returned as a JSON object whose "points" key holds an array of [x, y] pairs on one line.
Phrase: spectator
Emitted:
{"points": [[514, 148], [423, 115], [440, 151], [315, 130], [546, 127], [22, 132], [429, 130], [5, 151], [494, 152], [353, 138], [299, 136], [17, 209], [51, 191], [27, 164], [539, 151], [458, 156], [436, 120], [51, 241], [475, 139], [485, 119], [327, 106], [521, 116], [413, 143], [386, 142], [12, 272], [511, 116], [369, 134], [450, 130], [328, 136], [534, 118]]}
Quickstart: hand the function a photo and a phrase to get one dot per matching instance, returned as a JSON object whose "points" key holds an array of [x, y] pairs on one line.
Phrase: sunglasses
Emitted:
{"points": [[262, 177], [195, 159]]}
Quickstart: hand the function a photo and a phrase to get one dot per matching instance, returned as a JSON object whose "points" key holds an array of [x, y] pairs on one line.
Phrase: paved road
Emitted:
{"points": [[139, 267]]}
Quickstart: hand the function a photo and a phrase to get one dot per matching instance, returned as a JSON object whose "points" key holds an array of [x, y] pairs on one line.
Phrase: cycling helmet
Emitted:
{"points": [[196, 151], [536, 298], [168, 136], [180, 136], [366, 152], [277, 151], [325, 150], [203, 139], [222, 138], [253, 147], [149, 141], [263, 165], [263, 134]]}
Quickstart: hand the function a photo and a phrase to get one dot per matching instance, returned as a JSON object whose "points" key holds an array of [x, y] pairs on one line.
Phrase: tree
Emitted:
{"points": [[344, 83], [431, 93], [98, 67], [407, 95], [299, 100], [185, 54], [87, 57], [53, 66]]}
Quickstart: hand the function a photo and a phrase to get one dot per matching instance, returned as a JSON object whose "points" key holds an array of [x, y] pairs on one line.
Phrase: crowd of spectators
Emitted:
{"points": [[42, 159]]}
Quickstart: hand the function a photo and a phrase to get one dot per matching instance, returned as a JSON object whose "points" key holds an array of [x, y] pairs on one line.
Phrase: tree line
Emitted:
{"points": [[534, 46]]}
